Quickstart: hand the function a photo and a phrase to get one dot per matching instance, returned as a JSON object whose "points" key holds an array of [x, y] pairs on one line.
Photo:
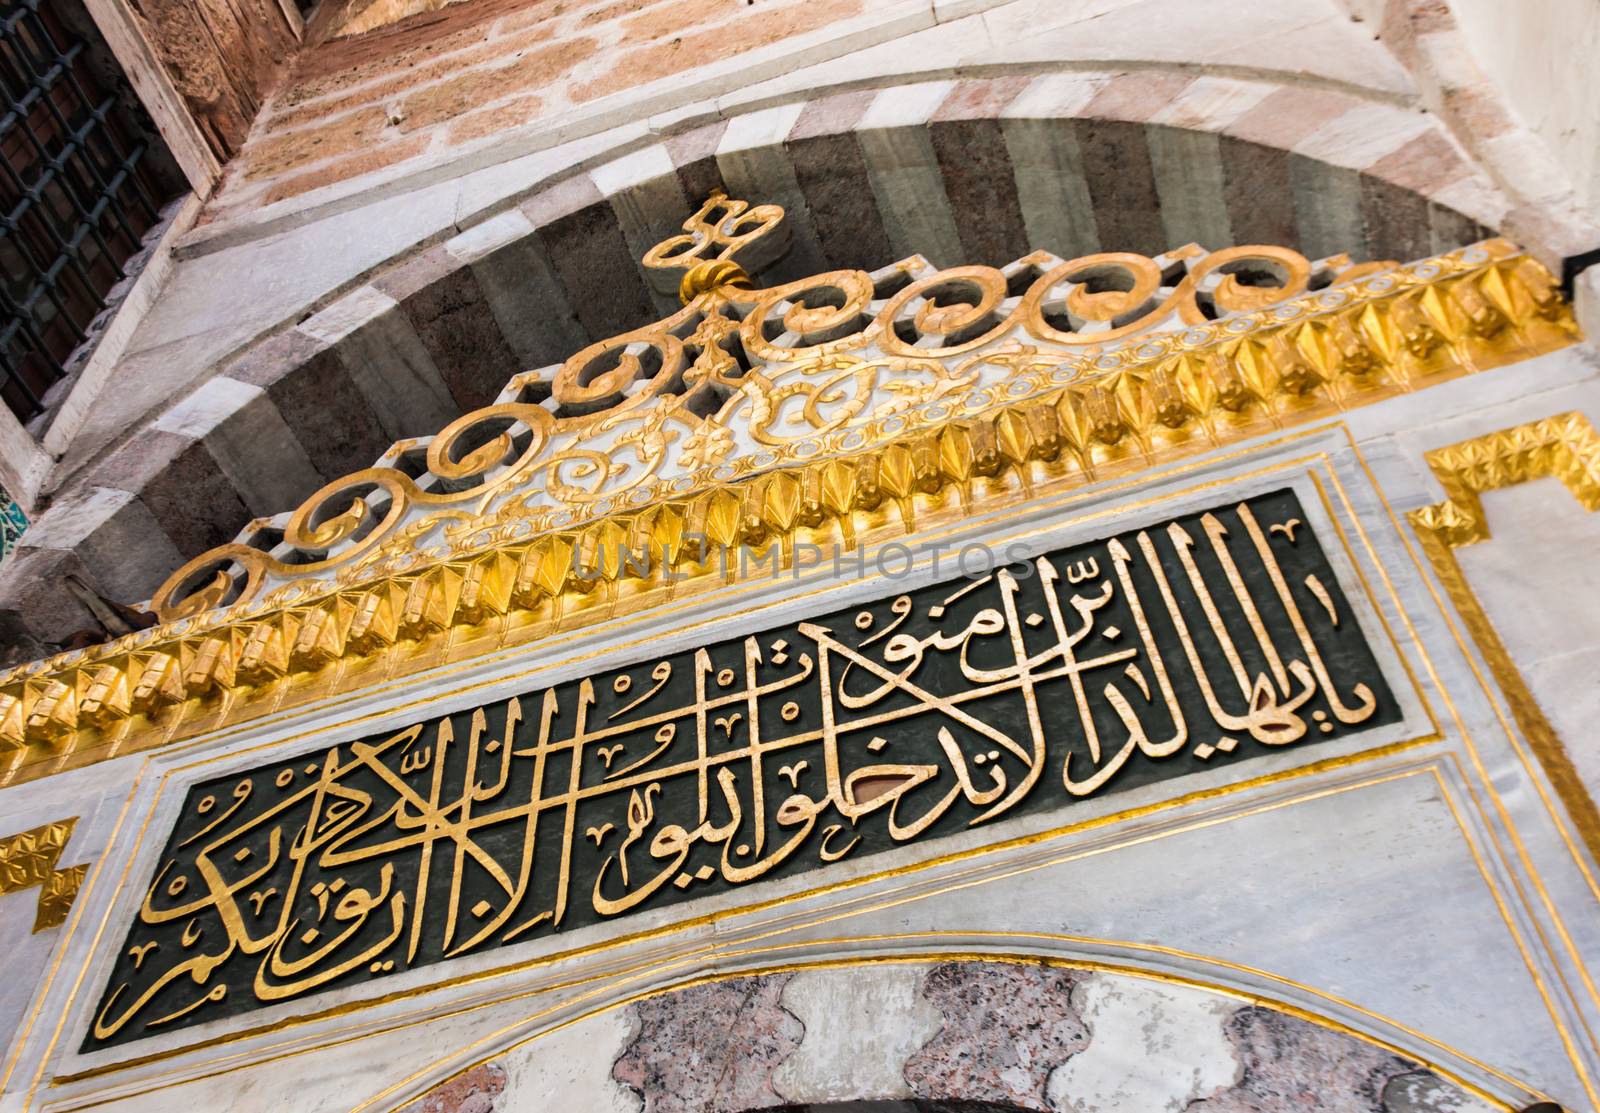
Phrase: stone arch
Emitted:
{"points": [[972, 1035], [976, 170]]}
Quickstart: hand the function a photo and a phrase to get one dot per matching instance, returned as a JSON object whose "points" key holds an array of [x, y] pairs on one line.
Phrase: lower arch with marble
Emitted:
{"points": [[967, 1036]]}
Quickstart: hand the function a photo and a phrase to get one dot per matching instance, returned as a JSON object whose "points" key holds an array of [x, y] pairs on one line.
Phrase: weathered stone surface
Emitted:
{"points": [[195, 504], [685, 50], [528, 300], [1192, 185], [833, 177], [364, 161], [1154, 1046], [1293, 1066], [257, 431], [33, 588], [399, 79], [1425, 1092], [1290, 114], [1116, 162], [457, 327], [121, 545], [353, 132], [903, 171], [859, 1032], [978, 178], [505, 116], [368, 15], [694, 158], [1396, 219], [328, 415], [478, 1090], [1327, 207], [1259, 195], [599, 274], [450, 98], [1006, 1027], [1425, 164], [223, 56], [1052, 188], [1135, 97], [711, 1048]]}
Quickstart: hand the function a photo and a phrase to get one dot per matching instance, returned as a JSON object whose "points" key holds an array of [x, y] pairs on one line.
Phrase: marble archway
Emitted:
{"points": [[966, 1036]]}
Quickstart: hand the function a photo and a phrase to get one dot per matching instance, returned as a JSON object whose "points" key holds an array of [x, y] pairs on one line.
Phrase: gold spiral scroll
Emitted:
{"points": [[833, 409]]}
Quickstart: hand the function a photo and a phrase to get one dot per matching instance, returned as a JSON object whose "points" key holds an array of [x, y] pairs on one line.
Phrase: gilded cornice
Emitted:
{"points": [[835, 410]]}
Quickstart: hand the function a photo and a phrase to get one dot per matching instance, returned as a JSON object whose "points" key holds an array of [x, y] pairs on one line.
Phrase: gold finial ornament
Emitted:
{"points": [[722, 244], [711, 276]]}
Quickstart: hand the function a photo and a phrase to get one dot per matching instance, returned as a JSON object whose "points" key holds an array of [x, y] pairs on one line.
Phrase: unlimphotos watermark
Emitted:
{"points": [[893, 560]]}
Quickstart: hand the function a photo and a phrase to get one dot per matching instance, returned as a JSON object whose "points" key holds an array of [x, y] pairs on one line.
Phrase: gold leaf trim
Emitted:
{"points": [[29, 859], [1564, 447]]}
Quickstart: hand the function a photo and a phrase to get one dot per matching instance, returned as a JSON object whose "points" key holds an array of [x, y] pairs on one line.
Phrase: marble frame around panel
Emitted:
{"points": [[1496, 817], [1342, 647], [1234, 471], [1154, 961], [1156, 506]]}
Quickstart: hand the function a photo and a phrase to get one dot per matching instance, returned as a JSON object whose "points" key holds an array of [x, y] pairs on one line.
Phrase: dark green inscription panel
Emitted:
{"points": [[1093, 670]]}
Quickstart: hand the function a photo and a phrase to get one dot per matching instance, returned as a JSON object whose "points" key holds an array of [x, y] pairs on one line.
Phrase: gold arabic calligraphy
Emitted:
{"points": [[1099, 668]]}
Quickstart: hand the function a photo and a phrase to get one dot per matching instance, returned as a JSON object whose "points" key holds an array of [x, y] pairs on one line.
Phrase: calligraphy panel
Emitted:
{"points": [[1088, 671]]}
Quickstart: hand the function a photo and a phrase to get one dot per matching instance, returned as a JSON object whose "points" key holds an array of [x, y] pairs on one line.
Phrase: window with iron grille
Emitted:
{"points": [[84, 178]]}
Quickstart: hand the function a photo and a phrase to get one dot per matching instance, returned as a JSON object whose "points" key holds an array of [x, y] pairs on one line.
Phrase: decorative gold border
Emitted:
{"points": [[1498, 825], [1298, 362], [598, 984], [29, 858], [1564, 447]]}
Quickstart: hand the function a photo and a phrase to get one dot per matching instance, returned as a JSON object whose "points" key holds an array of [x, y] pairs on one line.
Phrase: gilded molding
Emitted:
{"points": [[29, 859], [841, 409], [1564, 447]]}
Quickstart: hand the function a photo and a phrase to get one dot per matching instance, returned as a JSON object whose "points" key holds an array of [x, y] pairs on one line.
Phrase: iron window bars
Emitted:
{"points": [[77, 195]]}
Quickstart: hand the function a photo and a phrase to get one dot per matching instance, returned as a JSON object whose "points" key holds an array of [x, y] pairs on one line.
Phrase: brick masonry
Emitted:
{"points": [[453, 77]]}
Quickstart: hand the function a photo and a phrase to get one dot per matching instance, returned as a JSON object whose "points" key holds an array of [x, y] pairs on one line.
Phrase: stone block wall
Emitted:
{"points": [[293, 345]]}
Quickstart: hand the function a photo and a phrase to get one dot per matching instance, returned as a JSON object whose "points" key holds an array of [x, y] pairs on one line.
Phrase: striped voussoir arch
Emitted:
{"points": [[980, 170]]}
